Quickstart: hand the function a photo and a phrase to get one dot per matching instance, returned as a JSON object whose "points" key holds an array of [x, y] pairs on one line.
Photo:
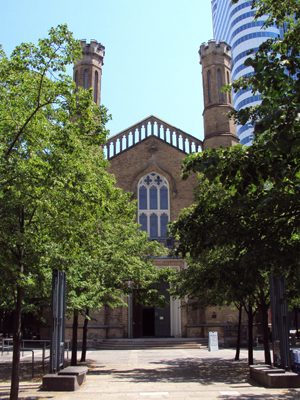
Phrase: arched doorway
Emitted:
{"points": [[151, 321]]}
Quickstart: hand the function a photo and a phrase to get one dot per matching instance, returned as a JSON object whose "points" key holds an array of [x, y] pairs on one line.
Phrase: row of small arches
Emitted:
{"points": [[127, 140]]}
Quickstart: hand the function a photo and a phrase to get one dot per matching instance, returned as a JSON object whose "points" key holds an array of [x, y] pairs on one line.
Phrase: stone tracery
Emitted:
{"points": [[153, 204]]}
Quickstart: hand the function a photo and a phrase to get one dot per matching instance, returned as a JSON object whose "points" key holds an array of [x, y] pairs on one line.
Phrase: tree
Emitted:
{"points": [[224, 269], [258, 216], [119, 253], [58, 205], [46, 132], [269, 169]]}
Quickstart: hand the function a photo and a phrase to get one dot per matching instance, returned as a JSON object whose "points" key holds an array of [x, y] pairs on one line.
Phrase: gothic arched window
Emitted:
{"points": [[228, 83], [153, 205], [85, 79], [96, 87], [219, 76], [76, 80], [209, 86]]}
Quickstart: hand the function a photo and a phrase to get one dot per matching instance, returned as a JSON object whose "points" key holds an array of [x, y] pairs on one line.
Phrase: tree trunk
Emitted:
{"points": [[250, 335], [84, 336], [264, 310], [296, 310], [17, 336], [17, 340], [238, 342], [74, 338]]}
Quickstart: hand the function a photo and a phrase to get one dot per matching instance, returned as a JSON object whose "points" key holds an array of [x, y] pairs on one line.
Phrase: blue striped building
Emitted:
{"points": [[234, 24]]}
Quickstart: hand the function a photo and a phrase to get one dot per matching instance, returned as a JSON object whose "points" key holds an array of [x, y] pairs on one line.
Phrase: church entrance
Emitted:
{"points": [[151, 321]]}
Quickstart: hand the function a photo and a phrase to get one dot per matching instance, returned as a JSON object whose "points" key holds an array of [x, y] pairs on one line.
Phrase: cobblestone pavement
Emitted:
{"points": [[152, 374]]}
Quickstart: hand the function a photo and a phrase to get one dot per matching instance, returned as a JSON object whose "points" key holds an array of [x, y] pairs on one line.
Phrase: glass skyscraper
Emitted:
{"points": [[234, 24]]}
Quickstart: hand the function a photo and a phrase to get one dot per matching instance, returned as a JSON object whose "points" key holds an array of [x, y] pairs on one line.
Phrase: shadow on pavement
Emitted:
{"points": [[25, 371], [206, 372], [289, 395]]}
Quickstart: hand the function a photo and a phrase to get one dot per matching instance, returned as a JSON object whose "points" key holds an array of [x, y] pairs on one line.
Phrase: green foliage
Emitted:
{"points": [[249, 210], [58, 205], [225, 265]]}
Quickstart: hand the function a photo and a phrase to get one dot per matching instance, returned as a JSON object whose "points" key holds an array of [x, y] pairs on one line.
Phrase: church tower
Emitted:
{"points": [[219, 130], [88, 70]]}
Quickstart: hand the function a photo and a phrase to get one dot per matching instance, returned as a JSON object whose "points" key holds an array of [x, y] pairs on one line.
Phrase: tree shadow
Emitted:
{"points": [[288, 395], [22, 395], [25, 371], [205, 371]]}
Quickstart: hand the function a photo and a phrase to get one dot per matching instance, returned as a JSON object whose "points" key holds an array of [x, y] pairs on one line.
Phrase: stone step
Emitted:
{"points": [[274, 377], [66, 380], [133, 344]]}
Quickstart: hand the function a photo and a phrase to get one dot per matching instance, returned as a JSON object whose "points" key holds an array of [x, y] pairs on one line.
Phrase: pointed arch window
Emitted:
{"points": [[153, 205], [164, 198], [85, 79], [96, 87], [143, 222], [164, 219], [219, 77], [153, 225], [209, 86], [228, 83], [153, 198], [76, 80], [143, 198]]}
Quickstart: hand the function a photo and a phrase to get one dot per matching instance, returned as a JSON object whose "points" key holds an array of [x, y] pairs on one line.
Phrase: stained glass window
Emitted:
{"points": [[158, 180], [153, 204], [153, 198], [143, 222], [148, 180], [164, 219], [164, 198], [153, 225], [143, 198]]}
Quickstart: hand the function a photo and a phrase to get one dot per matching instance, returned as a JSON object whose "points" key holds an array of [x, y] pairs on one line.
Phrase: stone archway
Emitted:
{"points": [[151, 321]]}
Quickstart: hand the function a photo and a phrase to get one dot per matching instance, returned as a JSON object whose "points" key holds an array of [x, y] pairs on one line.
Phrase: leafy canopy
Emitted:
{"points": [[256, 217], [59, 206]]}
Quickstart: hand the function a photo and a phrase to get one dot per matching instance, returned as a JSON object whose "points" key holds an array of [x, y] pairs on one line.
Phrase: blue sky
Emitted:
{"points": [[151, 64]]}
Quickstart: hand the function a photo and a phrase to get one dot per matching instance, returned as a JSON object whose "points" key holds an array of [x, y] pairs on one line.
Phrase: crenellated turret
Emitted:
{"points": [[88, 70], [219, 130]]}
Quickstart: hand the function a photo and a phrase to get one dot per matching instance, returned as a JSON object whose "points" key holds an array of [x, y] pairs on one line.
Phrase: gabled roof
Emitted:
{"points": [[151, 126]]}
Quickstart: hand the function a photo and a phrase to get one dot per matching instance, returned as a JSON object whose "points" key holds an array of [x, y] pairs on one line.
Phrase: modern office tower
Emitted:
{"points": [[234, 24]]}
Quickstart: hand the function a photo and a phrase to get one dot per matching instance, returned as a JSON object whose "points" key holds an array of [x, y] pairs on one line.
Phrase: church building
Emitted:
{"points": [[146, 160]]}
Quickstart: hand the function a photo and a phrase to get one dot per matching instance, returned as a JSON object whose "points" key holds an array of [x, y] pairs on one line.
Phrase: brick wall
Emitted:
{"points": [[135, 162]]}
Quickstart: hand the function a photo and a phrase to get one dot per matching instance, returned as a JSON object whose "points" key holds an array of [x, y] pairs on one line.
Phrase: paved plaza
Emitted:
{"points": [[183, 374]]}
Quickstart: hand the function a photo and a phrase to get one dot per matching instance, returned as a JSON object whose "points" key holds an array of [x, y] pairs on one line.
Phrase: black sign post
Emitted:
{"points": [[280, 325], [57, 348]]}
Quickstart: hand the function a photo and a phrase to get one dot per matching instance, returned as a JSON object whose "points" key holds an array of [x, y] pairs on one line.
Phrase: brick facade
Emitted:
{"points": [[154, 155], [153, 146]]}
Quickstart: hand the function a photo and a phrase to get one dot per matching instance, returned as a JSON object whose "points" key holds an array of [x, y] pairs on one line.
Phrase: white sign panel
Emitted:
{"points": [[213, 343]]}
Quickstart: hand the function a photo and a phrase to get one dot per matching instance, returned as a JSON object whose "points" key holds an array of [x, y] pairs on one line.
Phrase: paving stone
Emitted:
{"points": [[184, 374]]}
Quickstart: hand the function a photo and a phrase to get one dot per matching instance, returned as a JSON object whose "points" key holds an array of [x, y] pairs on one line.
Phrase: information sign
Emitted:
{"points": [[213, 343]]}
